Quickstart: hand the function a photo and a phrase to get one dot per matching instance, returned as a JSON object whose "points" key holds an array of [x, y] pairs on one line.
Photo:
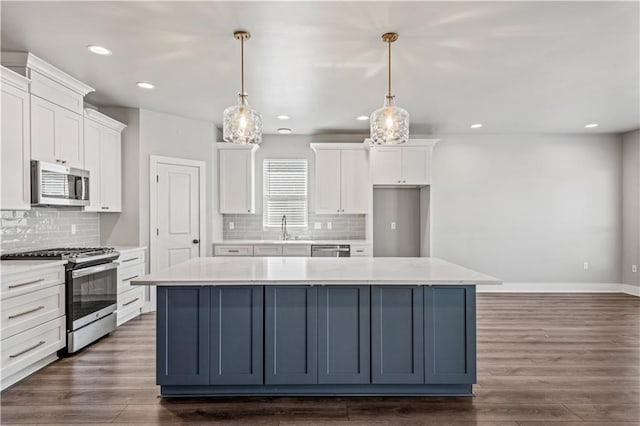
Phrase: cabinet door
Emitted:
{"points": [[416, 165], [182, 339], [450, 334], [327, 198], [355, 183], [111, 171], [69, 138], [386, 165], [92, 135], [343, 334], [236, 181], [15, 149], [43, 125], [397, 353], [291, 335], [236, 329]]}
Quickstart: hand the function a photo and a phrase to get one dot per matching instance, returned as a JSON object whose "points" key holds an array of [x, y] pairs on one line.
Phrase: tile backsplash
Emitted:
{"points": [[249, 227], [41, 228]]}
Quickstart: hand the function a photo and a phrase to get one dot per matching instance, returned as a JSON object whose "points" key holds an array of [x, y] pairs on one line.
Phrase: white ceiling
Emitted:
{"points": [[513, 66]]}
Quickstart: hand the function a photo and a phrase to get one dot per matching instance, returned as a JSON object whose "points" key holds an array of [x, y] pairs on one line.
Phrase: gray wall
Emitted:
{"points": [[631, 207], [402, 207], [530, 208]]}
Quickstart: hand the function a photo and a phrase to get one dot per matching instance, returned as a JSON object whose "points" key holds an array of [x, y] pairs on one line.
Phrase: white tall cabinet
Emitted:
{"points": [[236, 164], [15, 149], [103, 159], [342, 183]]}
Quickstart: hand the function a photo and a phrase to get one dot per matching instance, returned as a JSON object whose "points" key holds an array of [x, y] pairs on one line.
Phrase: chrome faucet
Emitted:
{"points": [[283, 227]]}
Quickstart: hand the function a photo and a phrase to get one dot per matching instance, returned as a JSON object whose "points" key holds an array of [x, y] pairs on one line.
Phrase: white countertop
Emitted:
{"points": [[18, 266], [279, 242], [315, 270]]}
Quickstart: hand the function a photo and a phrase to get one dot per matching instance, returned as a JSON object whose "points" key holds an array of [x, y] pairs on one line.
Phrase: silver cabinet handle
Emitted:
{"points": [[104, 208], [42, 342], [130, 278], [26, 312], [26, 283], [233, 251], [93, 269], [129, 260], [130, 302]]}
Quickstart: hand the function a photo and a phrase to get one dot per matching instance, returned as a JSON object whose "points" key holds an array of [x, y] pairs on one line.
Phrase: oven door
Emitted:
{"points": [[92, 293]]}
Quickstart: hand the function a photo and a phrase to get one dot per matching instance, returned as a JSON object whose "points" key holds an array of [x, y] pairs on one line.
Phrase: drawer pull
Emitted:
{"points": [[26, 312], [42, 342], [130, 278], [27, 283], [130, 260], [130, 302], [233, 251]]}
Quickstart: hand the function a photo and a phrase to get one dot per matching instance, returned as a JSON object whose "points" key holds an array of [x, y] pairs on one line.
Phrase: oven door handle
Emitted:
{"points": [[93, 269]]}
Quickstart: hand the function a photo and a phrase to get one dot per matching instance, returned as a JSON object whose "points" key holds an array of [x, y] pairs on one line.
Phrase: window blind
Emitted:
{"points": [[285, 192]]}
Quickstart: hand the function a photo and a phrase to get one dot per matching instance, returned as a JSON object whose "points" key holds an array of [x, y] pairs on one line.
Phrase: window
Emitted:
{"points": [[285, 192]]}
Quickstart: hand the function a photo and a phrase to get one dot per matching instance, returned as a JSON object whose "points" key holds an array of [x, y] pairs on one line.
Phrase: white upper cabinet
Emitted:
{"points": [[103, 159], [236, 164], [15, 142], [408, 164], [342, 182]]}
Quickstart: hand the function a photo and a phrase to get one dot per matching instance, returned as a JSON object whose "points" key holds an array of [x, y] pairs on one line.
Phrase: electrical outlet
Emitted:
{"points": [[585, 265], [73, 229], [329, 225], [317, 225], [634, 268], [232, 225], [393, 225]]}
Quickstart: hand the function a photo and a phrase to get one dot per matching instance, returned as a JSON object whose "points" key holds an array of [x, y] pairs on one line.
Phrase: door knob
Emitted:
{"points": [[196, 241]]}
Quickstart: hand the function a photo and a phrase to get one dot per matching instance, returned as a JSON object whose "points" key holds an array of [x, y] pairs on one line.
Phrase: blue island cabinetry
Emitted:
{"points": [[316, 340]]}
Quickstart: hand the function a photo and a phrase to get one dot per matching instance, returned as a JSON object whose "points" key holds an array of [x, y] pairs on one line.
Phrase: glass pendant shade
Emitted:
{"points": [[241, 123], [389, 124]]}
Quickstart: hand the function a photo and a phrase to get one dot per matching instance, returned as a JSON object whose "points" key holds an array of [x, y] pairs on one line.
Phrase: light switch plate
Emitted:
{"points": [[634, 268], [393, 225], [232, 225], [73, 229], [329, 226], [586, 265], [317, 225]]}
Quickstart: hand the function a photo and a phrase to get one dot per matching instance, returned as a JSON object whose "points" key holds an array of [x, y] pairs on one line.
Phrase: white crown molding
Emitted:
{"points": [[315, 146], [430, 142], [229, 145], [32, 62], [560, 288], [14, 79], [98, 117]]}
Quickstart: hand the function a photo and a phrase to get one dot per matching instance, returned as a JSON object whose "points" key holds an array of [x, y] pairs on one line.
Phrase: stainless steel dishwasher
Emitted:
{"points": [[331, 250]]}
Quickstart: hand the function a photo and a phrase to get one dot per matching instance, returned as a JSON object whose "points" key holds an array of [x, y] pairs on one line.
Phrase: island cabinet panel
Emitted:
{"points": [[450, 334], [343, 334], [291, 325], [397, 351], [236, 330], [182, 343]]}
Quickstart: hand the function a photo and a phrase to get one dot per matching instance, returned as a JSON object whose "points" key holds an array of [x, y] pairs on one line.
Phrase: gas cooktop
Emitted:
{"points": [[73, 254]]}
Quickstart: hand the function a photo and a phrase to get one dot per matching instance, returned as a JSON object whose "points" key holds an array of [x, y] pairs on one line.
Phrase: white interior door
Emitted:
{"points": [[178, 214]]}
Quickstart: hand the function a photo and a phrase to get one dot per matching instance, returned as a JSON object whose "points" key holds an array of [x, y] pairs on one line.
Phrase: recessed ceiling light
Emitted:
{"points": [[284, 131], [476, 125], [363, 117], [145, 85], [99, 50], [591, 126], [283, 117]]}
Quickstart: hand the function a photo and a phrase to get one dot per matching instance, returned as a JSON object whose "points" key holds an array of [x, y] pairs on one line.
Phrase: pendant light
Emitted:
{"points": [[242, 124], [389, 124]]}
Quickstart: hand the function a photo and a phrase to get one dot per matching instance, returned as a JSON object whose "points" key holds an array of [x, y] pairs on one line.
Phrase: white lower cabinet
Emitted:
{"points": [[267, 250], [361, 250], [32, 321], [131, 298], [302, 250]]}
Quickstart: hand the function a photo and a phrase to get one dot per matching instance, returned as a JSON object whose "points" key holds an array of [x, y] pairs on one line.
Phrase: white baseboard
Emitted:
{"points": [[560, 288]]}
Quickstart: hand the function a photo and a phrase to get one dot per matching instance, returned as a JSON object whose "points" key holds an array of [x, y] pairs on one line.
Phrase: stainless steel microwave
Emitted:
{"points": [[58, 185]]}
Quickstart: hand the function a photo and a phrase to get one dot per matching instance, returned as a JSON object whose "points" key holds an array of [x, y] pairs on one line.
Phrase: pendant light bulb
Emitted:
{"points": [[241, 123], [389, 124]]}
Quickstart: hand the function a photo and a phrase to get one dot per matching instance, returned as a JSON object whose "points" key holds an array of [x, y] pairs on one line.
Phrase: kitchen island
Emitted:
{"points": [[316, 326]]}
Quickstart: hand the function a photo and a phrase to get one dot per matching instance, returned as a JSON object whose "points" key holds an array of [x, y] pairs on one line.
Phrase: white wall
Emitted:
{"points": [[530, 208], [631, 207]]}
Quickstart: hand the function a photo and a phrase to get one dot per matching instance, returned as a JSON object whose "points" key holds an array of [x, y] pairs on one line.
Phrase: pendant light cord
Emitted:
{"points": [[389, 94], [242, 66]]}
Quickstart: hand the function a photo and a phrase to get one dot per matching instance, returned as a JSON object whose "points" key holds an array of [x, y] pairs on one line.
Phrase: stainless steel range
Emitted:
{"points": [[91, 290]]}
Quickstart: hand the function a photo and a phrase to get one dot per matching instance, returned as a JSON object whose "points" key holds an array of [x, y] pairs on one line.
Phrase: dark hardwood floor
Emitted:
{"points": [[561, 359]]}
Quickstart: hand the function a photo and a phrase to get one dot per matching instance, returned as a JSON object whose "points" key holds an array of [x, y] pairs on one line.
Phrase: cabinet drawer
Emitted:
{"points": [[26, 282], [128, 273], [301, 251], [129, 304], [28, 347], [360, 250], [233, 250], [131, 258], [23, 312], [267, 250]]}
